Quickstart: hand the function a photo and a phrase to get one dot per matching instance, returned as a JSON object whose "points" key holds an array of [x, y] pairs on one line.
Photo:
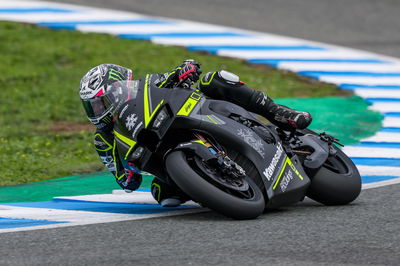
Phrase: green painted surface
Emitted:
{"points": [[95, 183], [346, 118]]}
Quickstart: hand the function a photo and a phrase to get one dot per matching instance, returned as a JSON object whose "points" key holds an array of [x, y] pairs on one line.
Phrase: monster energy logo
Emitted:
{"points": [[115, 75], [106, 119]]}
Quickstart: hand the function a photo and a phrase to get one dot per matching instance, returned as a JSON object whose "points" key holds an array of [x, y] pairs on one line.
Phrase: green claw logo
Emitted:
{"points": [[115, 75]]}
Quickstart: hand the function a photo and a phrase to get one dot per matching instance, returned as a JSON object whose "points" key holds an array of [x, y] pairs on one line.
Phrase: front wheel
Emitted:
{"points": [[241, 199]]}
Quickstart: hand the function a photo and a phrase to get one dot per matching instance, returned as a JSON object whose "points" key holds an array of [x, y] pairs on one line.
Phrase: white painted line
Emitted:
{"points": [[381, 184], [30, 4], [384, 137], [366, 170], [150, 29], [345, 67], [239, 40], [138, 197], [68, 17], [369, 93], [385, 107], [303, 54], [368, 152], [392, 122], [76, 217], [73, 216], [134, 197], [361, 80], [48, 4]]}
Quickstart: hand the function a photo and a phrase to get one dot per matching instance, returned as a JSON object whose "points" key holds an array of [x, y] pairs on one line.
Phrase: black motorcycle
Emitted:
{"points": [[222, 156]]}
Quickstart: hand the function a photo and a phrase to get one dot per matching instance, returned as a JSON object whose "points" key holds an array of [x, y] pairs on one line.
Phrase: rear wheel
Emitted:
{"points": [[235, 198], [337, 182]]}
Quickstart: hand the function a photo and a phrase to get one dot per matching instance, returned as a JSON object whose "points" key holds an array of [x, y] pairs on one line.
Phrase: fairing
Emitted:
{"points": [[190, 111]]}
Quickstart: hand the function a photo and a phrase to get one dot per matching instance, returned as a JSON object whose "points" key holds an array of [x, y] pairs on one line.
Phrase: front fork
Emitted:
{"points": [[214, 149], [213, 155], [227, 166]]}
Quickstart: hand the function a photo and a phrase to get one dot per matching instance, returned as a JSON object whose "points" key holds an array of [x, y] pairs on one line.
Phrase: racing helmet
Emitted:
{"points": [[99, 92]]}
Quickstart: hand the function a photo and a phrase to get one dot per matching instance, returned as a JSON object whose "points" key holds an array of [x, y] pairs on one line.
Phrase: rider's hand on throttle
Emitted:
{"points": [[189, 73]]}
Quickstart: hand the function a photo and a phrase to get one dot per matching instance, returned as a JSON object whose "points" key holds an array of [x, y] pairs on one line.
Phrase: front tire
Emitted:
{"points": [[208, 194]]}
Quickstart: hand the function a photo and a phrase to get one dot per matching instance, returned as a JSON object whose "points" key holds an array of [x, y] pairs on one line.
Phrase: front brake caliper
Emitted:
{"points": [[228, 167]]}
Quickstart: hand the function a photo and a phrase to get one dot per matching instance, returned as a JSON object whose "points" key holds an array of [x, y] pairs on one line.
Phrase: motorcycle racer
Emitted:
{"points": [[101, 100]]}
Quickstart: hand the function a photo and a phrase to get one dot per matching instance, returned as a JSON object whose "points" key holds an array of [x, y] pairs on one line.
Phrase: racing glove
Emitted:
{"points": [[183, 75], [188, 73], [131, 181]]}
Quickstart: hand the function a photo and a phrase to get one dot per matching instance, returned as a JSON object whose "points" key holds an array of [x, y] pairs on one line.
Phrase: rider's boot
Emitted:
{"points": [[280, 115], [227, 86], [171, 202]]}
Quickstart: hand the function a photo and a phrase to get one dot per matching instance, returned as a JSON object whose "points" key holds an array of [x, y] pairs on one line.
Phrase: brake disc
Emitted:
{"points": [[230, 181]]}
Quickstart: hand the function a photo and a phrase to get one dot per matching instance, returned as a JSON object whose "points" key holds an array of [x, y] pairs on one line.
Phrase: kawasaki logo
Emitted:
{"points": [[269, 171]]}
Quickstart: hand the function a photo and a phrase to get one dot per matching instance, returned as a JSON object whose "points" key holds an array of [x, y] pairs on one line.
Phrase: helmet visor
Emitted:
{"points": [[99, 106]]}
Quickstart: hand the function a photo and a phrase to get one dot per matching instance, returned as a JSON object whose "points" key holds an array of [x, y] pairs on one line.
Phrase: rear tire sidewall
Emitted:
{"points": [[330, 188], [209, 195]]}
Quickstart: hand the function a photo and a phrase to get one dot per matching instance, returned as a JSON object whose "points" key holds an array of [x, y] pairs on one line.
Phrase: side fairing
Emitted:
{"points": [[284, 179]]}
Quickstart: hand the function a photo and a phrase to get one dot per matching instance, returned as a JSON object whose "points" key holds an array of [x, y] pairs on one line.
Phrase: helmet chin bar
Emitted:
{"points": [[102, 122]]}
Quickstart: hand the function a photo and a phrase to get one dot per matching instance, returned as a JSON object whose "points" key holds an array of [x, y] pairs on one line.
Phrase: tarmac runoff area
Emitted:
{"points": [[374, 77]]}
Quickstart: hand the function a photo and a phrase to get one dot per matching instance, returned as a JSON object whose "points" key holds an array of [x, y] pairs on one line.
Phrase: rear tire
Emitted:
{"points": [[206, 193], [337, 182]]}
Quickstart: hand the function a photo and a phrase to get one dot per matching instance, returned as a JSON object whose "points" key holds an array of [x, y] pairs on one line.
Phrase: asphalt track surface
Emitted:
{"points": [[364, 233]]}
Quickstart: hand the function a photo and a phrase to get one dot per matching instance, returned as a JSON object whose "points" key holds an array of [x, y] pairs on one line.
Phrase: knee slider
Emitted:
{"points": [[222, 85], [219, 76], [161, 190], [228, 77]]}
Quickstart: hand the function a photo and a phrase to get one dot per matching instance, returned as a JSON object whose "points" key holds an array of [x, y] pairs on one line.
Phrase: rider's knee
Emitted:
{"points": [[224, 85], [164, 193]]}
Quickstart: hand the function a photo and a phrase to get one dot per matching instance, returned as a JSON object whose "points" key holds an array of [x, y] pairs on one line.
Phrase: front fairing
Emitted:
{"points": [[134, 120]]}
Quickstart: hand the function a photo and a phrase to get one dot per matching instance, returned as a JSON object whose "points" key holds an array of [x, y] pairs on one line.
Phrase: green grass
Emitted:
{"points": [[42, 124]]}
